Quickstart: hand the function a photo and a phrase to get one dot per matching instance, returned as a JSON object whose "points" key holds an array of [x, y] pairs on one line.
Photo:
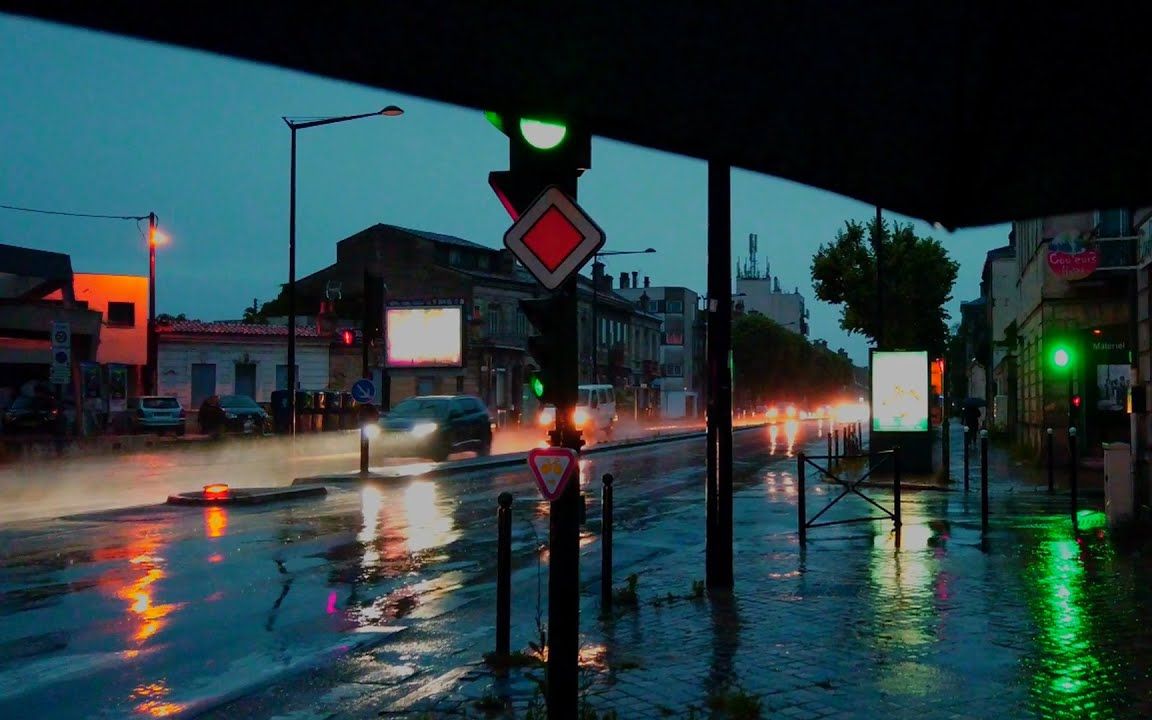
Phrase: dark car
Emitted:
{"points": [[39, 415], [435, 426], [243, 415]]}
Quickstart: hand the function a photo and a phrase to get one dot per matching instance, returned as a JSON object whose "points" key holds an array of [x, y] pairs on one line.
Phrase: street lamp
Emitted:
{"points": [[389, 111], [595, 300]]}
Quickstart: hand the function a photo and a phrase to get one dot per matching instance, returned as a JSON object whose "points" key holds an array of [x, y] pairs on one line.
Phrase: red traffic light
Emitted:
{"points": [[348, 337], [1075, 401]]}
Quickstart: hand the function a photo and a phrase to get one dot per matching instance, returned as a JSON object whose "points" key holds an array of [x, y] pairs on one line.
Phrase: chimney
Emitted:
{"points": [[623, 281], [647, 281], [635, 279]]}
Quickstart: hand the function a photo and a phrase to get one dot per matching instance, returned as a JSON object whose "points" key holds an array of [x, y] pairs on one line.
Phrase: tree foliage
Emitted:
{"points": [[918, 277], [775, 364]]}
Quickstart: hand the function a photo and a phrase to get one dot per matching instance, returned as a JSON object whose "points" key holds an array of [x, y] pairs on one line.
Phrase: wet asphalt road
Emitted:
{"points": [[167, 612]]}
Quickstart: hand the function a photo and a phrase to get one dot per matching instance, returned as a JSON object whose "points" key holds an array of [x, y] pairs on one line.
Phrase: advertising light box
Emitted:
{"points": [[900, 392], [425, 337]]}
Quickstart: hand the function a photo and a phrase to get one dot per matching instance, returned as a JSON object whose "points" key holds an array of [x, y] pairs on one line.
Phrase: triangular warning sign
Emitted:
{"points": [[552, 467]]}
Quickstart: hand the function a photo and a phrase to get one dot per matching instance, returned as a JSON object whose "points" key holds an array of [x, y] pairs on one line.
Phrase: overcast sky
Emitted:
{"points": [[100, 124]]}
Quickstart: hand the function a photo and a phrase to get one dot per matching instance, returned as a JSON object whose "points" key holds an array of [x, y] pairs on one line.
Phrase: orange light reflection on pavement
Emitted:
{"points": [[215, 521], [152, 700]]}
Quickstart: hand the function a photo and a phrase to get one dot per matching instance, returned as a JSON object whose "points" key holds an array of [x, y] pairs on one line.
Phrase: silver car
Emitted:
{"points": [[156, 414]]}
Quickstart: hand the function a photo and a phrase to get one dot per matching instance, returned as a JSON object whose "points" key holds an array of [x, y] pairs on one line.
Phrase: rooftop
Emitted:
{"points": [[195, 327]]}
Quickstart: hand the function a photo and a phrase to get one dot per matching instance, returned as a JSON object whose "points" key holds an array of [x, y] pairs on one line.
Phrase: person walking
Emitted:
{"points": [[972, 422]]}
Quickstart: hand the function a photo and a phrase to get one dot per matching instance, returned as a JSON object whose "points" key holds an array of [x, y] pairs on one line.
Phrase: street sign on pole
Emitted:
{"points": [[364, 391], [552, 467], [554, 238], [60, 369]]}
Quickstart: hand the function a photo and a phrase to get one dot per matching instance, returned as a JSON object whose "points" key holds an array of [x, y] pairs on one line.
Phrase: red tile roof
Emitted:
{"points": [[194, 327]]}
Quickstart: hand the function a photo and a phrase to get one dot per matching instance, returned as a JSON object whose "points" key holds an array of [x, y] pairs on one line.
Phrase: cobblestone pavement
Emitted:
{"points": [[1036, 620]]}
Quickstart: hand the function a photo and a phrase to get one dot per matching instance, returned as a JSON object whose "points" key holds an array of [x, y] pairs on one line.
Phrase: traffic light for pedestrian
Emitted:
{"points": [[548, 349], [1076, 401], [348, 337], [541, 152]]}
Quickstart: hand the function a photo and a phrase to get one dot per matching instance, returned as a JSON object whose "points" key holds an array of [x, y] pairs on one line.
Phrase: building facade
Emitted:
{"points": [[681, 343], [196, 360], [481, 287]]}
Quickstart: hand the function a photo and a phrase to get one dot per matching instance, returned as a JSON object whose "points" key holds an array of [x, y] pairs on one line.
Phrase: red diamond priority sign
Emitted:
{"points": [[552, 467], [554, 238]]}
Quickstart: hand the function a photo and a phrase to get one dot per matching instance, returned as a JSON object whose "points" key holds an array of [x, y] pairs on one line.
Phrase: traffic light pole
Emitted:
{"points": [[564, 532], [718, 560]]}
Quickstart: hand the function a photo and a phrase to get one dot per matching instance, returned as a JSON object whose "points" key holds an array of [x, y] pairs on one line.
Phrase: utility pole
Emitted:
{"points": [[877, 252]]}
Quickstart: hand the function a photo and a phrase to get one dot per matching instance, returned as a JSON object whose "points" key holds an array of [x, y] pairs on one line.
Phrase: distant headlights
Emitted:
{"points": [[424, 429]]}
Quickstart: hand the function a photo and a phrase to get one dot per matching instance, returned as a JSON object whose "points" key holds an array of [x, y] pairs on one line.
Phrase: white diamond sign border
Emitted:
{"points": [[585, 225]]}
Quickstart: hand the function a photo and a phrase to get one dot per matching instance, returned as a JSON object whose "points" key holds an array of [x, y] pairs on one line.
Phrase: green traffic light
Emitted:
{"points": [[1061, 358], [541, 134], [537, 387]]}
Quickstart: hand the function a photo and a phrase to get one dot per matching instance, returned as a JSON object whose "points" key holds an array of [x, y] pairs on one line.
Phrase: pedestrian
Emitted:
{"points": [[972, 422]]}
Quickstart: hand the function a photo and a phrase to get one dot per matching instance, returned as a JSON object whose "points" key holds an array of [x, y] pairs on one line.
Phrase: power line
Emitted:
{"points": [[74, 214]]}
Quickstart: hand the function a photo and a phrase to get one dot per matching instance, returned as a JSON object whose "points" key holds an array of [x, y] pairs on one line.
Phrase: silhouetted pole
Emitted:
{"points": [[1074, 470], [984, 482], [1051, 461], [606, 545], [503, 575], [719, 544], [967, 462]]}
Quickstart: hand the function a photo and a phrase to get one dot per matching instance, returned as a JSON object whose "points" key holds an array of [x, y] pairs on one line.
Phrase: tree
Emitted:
{"points": [[918, 277], [775, 364], [169, 318]]}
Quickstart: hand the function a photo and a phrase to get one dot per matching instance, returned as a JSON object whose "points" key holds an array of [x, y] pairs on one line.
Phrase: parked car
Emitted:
{"points": [[156, 414], [243, 415], [435, 426], [33, 415]]}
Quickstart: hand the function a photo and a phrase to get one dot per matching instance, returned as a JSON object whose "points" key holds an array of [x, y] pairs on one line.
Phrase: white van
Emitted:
{"points": [[595, 410]]}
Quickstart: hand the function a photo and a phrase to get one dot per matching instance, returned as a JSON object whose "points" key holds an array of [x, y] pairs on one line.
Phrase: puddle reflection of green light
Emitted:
{"points": [[1091, 519]]}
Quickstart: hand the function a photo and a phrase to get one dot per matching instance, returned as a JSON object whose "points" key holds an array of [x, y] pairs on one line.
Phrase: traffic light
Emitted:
{"points": [[541, 152], [1076, 401], [348, 337], [548, 349], [1061, 353]]}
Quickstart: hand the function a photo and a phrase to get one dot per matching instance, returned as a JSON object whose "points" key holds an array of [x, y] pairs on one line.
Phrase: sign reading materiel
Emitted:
{"points": [[60, 369], [900, 391], [554, 238], [552, 467]]}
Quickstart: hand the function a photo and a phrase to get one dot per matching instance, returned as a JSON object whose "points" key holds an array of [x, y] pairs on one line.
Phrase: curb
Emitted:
{"points": [[504, 461], [249, 496]]}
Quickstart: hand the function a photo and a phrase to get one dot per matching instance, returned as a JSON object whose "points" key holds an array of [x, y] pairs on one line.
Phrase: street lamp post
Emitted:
{"points": [[595, 303], [153, 351], [390, 111]]}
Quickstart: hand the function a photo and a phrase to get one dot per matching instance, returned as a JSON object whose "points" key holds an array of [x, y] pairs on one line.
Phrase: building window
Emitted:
{"points": [[1112, 223], [675, 306], [122, 314], [495, 319]]}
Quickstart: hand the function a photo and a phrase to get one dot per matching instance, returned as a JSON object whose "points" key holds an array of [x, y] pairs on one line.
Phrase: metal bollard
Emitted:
{"points": [[1051, 461], [606, 545], [1074, 478], [836, 441], [984, 482], [503, 575], [801, 501], [896, 470], [966, 461], [364, 450], [829, 443]]}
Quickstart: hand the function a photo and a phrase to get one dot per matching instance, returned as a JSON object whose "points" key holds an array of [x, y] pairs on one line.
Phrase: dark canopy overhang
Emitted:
{"points": [[963, 113]]}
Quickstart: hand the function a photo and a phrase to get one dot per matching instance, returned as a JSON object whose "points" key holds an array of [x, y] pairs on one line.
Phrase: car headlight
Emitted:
{"points": [[579, 417], [424, 429]]}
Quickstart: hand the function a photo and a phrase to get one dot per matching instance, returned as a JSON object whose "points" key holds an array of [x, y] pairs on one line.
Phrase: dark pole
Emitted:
{"points": [[984, 482], [385, 376], [290, 371], [365, 327], [719, 544], [1074, 479], [1051, 461], [897, 471], [877, 247], [945, 424], [967, 462], [153, 348], [503, 575], [606, 545], [595, 322], [801, 499]]}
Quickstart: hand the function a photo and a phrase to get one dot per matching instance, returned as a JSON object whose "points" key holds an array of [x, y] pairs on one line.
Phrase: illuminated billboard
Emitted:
{"points": [[900, 391], [424, 337]]}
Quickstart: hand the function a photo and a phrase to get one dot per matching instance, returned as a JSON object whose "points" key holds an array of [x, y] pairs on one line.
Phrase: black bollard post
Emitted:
{"points": [[836, 442], [829, 443], [1051, 461], [896, 471], [801, 500], [364, 450], [503, 575], [1074, 478], [966, 461], [606, 546], [984, 482]]}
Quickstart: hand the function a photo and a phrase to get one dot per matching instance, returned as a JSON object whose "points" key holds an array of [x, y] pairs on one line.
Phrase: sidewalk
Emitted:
{"points": [[1037, 621]]}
